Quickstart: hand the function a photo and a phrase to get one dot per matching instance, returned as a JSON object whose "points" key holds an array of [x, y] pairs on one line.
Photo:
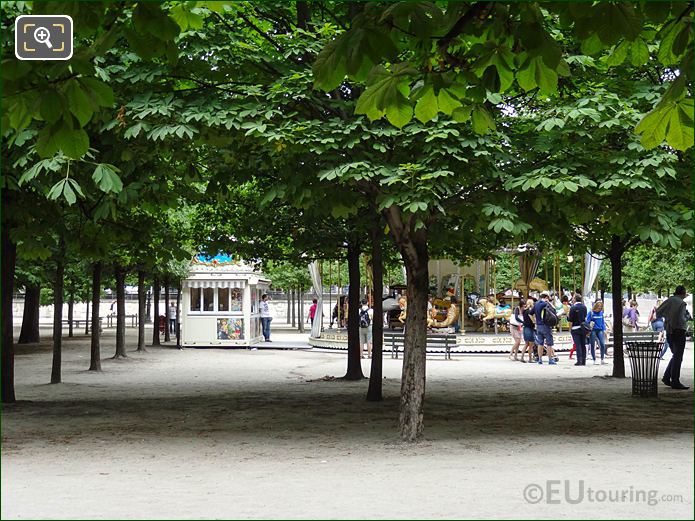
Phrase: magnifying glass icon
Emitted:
{"points": [[42, 35]]}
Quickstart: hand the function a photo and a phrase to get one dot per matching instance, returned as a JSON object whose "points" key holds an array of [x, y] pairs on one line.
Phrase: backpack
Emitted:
{"points": [[364, 318], [572, 314], [549, 316]]}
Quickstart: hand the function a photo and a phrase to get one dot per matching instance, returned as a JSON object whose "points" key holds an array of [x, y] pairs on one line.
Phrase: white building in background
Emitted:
{"points": [[220, 303]]}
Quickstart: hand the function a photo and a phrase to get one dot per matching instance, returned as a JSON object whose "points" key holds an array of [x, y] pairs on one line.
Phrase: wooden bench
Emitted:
{"points": [[634, 336], [436, 343], [77, 321], [111, 319]]}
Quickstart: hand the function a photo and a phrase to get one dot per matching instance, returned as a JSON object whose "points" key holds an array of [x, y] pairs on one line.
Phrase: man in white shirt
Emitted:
{"points": [[265, 317], [172, 319]]}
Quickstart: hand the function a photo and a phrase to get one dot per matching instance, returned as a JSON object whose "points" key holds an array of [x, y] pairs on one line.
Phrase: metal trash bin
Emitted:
{"points": [[644, 363]]}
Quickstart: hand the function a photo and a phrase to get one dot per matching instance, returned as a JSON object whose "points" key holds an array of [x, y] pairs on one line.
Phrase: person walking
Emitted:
{"points": [[172, 319], [657, 325], [516, 326], [366, 320], [546, 319], [631, 316], [529, 331], [597, 321], [265, 317], [576, 318], [675, 313], [312, 311]]}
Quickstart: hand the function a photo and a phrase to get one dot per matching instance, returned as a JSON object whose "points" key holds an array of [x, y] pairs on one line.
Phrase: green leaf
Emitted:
{"points": [[46, 142], [64, 188], [107, 179], [639, 52], [592, 45], [619, 54], [329, 67], [426, 107], [52, 106], [446, 103], [400, 113], [671, 121], [185, 18], [78, 103], [462, 114], [73, 143], [99, 92], [482, 120]]}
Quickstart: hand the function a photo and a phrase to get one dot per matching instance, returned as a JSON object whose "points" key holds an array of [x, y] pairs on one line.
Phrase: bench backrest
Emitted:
{"points": [[442, 340]]}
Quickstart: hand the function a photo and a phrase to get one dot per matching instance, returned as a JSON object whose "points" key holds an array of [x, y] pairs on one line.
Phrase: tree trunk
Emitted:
{"points": [[178, 315], [629, 293], [30, 320], [289, 303], [292, 292], [413, 248], [374, 393], [167, 334], [413, 377], [301, 309], [120, 313], [354, 363], [9, 256], [659, 293], [615, 255], [86, 318], [303, 15], [71, 314], [58, 319], [95, 350], [148, 315], [155, 321], [142, 302]]}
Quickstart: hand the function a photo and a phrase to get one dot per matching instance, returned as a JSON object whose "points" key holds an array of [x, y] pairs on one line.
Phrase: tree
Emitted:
{"points": [[422, 59]]}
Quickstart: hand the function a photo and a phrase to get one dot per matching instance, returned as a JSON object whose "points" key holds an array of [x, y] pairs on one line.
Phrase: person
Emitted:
{"points": [[312, 310], [675, 314], [366, 319], [576, 318], [630, 316], [563, 311], [516, 325], [172, 318], [529, 330], [597, 321], [657, 325], [544, 333], [265, 317]]}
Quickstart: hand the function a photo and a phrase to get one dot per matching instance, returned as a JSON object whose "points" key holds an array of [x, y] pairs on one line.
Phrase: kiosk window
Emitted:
{"points": [[208, 299], [223, 299], [195, 299]]}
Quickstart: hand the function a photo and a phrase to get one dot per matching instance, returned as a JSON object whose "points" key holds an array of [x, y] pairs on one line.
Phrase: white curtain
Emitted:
{"points": [[591, 267], [315, 273]]}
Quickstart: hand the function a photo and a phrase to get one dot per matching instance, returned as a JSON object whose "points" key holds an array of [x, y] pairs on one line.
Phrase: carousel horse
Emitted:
{"points": [[452, 316]]}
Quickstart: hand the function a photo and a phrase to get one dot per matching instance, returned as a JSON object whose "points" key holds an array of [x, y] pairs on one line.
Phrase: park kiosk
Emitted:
{"points": [[220, 303]]}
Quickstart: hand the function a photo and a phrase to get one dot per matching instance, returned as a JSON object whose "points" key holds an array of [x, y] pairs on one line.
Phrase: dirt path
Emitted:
{"points": [[261, 434]]}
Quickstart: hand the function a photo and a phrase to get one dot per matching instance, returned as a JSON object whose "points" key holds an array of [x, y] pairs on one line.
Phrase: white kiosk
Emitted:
{"points": [[220, 303]]}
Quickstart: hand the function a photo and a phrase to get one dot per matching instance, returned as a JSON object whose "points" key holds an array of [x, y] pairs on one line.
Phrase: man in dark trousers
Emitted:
{"points": [[577, 317], [675, 312]]}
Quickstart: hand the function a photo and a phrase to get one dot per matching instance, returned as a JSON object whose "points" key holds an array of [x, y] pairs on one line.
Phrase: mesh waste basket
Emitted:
{"points": [[644, 362]]}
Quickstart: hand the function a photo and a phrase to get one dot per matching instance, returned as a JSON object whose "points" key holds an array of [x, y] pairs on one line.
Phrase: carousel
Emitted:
{"points": [[466, 300], [220, 303]]}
